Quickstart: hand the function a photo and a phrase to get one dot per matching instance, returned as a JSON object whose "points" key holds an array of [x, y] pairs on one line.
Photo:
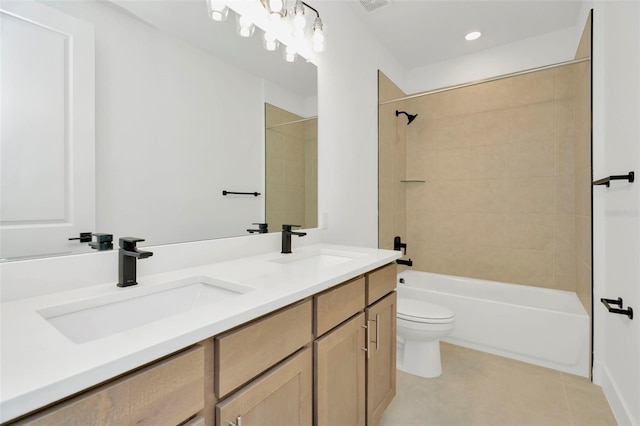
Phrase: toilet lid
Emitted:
{"points": [[421, 311]]}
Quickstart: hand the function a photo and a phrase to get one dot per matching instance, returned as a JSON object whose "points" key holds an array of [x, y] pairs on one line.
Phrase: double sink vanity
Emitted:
{"points": [[289, 339]]}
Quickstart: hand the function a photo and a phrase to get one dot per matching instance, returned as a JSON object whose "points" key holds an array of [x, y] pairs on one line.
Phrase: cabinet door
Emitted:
{"points": [[167, 392], [340, 375], [381, 362], [280, 397]]}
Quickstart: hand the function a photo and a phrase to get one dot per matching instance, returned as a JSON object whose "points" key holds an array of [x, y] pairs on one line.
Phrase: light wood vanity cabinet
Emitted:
{"points": [[327, 360], [282, 396], [381, 360], [169, 391], [245, 352], [355, 362]]}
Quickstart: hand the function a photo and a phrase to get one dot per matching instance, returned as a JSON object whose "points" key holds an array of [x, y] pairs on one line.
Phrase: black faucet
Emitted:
{"points": [[103, 242], [127, 256], [263, 228], [286, 237]]}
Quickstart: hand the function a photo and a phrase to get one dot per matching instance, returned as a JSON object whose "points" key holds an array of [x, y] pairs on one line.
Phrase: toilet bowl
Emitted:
{"points": [[420, 326]]}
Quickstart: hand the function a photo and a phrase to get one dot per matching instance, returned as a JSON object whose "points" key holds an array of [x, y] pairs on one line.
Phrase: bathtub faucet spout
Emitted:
{"points": [[404, 262]]}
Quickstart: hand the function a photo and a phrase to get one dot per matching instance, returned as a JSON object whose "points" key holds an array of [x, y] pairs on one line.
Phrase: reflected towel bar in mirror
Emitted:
{"points": [[255, 194]]}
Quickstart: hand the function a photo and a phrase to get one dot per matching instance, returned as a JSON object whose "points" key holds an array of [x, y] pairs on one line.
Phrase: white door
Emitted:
{"points": [[47, 131], [617, 208]]}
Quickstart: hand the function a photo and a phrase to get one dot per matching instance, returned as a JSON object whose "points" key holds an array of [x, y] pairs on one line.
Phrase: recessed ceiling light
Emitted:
{"points": [[473, 35]]}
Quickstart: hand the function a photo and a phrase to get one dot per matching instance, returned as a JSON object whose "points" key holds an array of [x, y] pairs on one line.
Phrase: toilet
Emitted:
{"points": [[420, 326]]}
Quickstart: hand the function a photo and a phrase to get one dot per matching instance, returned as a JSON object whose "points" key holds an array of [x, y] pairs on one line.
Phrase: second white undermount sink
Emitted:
{"points": [[317, 259], [102, 316]]}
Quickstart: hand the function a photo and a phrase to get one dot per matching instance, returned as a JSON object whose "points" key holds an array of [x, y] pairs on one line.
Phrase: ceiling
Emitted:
{"points": [[416, 32], [423, 32]]}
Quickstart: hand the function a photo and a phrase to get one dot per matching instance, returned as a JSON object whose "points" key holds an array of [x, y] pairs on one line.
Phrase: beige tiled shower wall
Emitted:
{"points": [[499, 196], [583, 175], [291, 170], [391, 164]]}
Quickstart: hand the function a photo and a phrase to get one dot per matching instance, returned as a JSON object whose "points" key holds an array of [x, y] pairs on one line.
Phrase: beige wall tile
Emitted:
{"points": [[582, 190], [565, 232], [531, 267], [565, 156], [487, 229], [452, 164], [489, 196], [533, 158], [583, 239], [489, 162], [583, 284], [499, 199], [487, 128], [530, 231], [565, 270], [531, 195], [565, 79], [564, 195], [565, 119], [533, 88], [532, 122]]}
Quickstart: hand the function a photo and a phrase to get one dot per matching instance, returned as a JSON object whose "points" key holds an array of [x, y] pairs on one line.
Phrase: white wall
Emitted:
{"points": [[171, 128], [348, 127], [616, 210], [546, 49]]}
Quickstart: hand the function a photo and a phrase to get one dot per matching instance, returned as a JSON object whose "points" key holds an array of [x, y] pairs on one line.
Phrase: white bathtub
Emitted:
{"points": [[536, 325]]}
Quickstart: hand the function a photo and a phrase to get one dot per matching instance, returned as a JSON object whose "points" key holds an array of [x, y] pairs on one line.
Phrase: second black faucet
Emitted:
{"points": [[127, 256], [286, 237]]}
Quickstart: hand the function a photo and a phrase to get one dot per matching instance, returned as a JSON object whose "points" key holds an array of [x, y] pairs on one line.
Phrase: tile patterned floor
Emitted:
{"points": [[480, 389]]}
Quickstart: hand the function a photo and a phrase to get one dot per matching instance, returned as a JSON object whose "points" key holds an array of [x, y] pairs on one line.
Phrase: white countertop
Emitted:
{"points": [[39, 365]]}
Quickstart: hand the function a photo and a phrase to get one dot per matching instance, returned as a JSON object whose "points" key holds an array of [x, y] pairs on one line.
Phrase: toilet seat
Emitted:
{"points": [[423, 312]]}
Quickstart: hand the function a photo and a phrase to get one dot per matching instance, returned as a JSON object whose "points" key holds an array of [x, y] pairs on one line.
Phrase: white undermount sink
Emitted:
{"points": [[102, 316], [318, 259]]}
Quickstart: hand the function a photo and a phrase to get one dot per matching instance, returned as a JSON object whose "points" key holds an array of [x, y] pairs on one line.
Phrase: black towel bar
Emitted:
{"points": [[618, 302], [255, 194], [607, 181]]}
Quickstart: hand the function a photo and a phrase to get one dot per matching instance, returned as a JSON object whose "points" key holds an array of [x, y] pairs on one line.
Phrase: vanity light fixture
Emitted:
{"points": [[473, 35], [285, 22]]}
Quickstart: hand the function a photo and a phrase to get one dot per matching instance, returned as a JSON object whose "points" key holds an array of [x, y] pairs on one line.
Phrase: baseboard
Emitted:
{"points": [[602, 378]]}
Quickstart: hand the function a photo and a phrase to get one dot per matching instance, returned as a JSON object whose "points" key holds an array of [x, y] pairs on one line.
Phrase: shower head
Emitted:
{"points": [[411, 117]]}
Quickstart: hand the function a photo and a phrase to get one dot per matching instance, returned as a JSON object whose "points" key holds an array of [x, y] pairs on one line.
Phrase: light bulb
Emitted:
{"points": [[245, 26], [290, 54], [276, 10], [270, 42], [473, 35], [299, 20], [318, 36], [218, 10]]}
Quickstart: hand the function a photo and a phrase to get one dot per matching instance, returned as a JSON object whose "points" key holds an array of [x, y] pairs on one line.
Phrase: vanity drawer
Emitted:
{"points": [[381, 282], [338, 304], [166, 392], [244, 353]]}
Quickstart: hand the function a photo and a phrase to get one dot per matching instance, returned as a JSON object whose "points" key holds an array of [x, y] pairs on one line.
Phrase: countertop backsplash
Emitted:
{"points": [[36, 277]]}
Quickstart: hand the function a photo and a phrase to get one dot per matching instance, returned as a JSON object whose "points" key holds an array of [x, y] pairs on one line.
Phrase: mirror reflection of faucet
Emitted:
{"points": [[127, 256], [103, 242], [263, 228], [286, 237]]}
